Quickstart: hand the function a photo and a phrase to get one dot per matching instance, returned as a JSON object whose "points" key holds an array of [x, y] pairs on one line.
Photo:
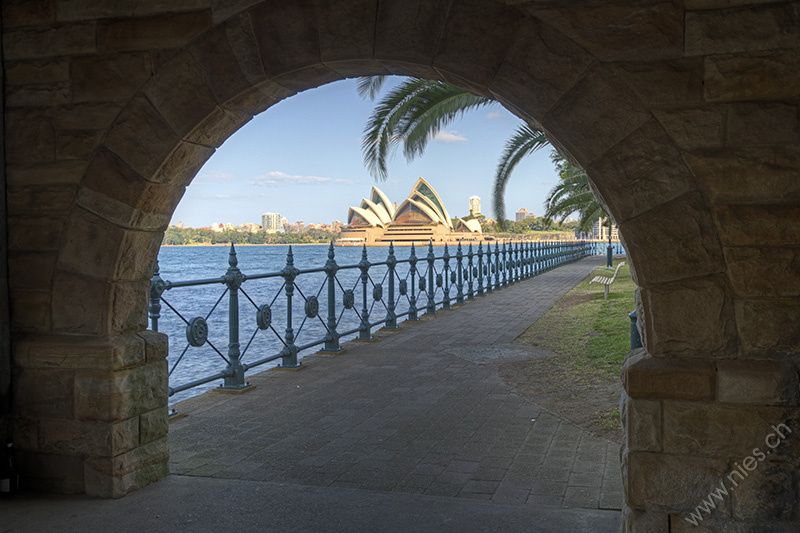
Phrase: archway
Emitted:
{"points": [[110, 113]]}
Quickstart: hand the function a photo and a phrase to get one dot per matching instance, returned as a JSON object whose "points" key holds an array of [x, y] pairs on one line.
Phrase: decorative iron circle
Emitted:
{"points": [[348, 299], [438, 280], [159, 286], [197, 331], [466, 273], [422, 284], [377, 292], [453, 276], [312, 307], [403, 288], [264, 316]]}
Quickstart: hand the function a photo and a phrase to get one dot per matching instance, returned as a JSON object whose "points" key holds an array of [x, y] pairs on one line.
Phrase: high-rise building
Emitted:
{"points": [[522, 214], [474, 205], [271, 222], [600, 230]]}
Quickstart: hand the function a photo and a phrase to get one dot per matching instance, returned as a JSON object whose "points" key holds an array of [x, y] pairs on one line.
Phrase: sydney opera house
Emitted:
{"points": [[421, 217]]}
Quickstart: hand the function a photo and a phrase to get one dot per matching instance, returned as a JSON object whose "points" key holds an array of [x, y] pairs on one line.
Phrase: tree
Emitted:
{"points": [[572, 194]]}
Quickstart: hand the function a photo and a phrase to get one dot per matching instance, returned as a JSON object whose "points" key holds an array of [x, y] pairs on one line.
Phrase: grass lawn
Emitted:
{"points": [[590, 337]]}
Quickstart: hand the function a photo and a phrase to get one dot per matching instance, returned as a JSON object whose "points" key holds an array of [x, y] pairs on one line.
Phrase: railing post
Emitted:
{"points": [[412, 300], [636, 339], [157, 287], [234, 279], [332, 338], [391, 261], [480, 269], [460, 278], [504, 262], [289, 273], [364, 334], [447, 280], [471, 276], [497, 265], [431, 309]]}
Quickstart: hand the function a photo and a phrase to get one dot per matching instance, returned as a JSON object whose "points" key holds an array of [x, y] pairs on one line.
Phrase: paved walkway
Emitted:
{"points": [[401, 434]]}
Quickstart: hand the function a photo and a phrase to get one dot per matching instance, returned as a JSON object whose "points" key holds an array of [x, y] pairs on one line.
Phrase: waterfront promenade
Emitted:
{"points": [[412, 432]]}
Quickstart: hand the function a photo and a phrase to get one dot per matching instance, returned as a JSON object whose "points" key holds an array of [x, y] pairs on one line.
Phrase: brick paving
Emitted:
{"points": [[420, 410]]}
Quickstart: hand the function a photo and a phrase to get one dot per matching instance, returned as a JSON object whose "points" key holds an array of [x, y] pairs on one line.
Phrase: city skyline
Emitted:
{"points": [[302, 157]]}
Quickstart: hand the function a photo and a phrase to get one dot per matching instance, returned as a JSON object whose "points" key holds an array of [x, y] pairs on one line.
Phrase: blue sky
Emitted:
{"points": [[302, 158]]}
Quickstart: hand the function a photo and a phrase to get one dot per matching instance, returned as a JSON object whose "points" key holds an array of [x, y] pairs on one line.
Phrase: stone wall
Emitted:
{"points": [[685, 116]]}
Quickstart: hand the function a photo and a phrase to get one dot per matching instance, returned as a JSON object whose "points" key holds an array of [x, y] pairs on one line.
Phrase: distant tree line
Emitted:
{"points": [[179, 236]]}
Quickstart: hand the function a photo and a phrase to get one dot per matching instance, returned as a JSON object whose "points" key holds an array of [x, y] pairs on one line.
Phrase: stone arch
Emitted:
{"points": [[647, 96]]}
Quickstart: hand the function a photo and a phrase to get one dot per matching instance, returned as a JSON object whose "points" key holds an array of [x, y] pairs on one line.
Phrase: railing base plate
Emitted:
{"points": [[238, 390], [297, 368], [329, 353]]}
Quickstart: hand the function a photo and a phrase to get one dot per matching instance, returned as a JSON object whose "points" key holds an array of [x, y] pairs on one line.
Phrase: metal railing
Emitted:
{"points": [[354, 302]]}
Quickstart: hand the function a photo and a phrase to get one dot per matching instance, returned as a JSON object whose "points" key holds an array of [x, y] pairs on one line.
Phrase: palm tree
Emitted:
{"points": [[416, 109], [572, 194]]}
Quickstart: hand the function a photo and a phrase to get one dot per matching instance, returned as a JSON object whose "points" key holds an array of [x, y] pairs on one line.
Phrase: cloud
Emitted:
{"points": [[448, 137], [215, 176], [493, 115], [279, 179]]}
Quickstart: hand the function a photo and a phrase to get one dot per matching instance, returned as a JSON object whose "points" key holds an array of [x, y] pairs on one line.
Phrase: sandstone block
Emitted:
{"points": [[757, 382], [257, 99], [641, 420], [541, 65], [88, 9], [598, 102], [109, 77], [661, 482], [753, 76], [40, 94], [138, 252], [80, 305], [728, 176], [37, 71], [667, 377], [31, 310], [767, 493], [758, 225], [31, 270], [168, 30], [34, 233], [49, 472], [18, 13], [226, 9], [672, 82], [90, 246], [47, 41], [71, 352], [409, 31], [742, 30], [119, 213], [88, 438], [129, 304], [181, 165], [116, 476], [220, 63], [153, 425], [38, 174], [634, 521], [768, 328], [156, 345], [121, 394], [43, 393], [287, 35], [643, 171], [763, 123], [141, 137], [33, 140], [346, 29], [758, 272], [694, 317], [86, 115], [215, 129], [307, 77], [77, 144], [29, 200], [693, 128]]}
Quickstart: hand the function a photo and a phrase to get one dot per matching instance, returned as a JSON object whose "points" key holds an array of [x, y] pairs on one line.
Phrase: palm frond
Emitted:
{"points": [[369, 87], [524, 142]]}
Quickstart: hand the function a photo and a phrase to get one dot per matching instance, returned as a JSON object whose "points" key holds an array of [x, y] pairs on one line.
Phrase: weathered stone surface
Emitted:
{"points": [[621, 32], [758, 225], [721, 4], [53, 41], [244, 45], [153, 425], [119, 213], [141, 137], [670, 82], [110, 77], [122, 394], [702, 429], [31, 270], [221, 64], [37, 94], [225, 9], [683, 224], [757, 382], [672, 482], [541, 65], [667, 377], [767, 493], [72, 352], [409, 31], [90, 245], [641, 420], [89, 9], [217, 127], [181, 165], [769, 328], [307, 78], [37, 71], [29, 200], [287, 35], [55, 173], [754, 76], [137, 255], [599, 102], [28, 12], [129, 303], [156, 345], [759, 124], [634, 521], [641, 172], [43, 393], [34, 233], [77, 144], [31, 310], [737, 176], [33, 140], [759, 272], [477, 62], [88, 438], [346, 29], [49, 472], [169, 87], [116, 476], [79, 304], [693, 317], [151, 33], [741, 30], [693, 128], [258, 99]]}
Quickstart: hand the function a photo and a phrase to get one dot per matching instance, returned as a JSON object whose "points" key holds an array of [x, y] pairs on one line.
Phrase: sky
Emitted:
{"points": [[302, 158]]}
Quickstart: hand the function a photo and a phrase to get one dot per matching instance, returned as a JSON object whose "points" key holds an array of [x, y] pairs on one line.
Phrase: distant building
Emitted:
{"points": [[216, 227], [474, 205], [179, 225], [271, 222], [600, 230], [523, 213]]}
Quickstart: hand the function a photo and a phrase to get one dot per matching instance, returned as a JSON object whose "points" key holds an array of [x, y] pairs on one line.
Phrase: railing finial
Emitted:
{"points": [[232, 260]]}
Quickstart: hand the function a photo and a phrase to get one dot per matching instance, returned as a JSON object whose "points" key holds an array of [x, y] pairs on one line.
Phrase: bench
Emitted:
{"points": [[605, 280]]}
